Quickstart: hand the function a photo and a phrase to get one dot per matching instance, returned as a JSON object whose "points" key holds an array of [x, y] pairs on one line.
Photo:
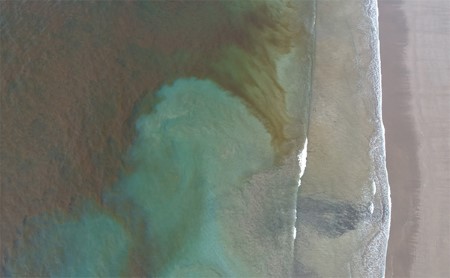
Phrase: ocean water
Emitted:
{"points": [[344, 203], [191, 139], [165, 140], [87, 245], [190, 155]]}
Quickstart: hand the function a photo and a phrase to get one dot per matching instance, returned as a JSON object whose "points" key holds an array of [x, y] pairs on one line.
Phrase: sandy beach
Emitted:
{"points": [[415, 38]]}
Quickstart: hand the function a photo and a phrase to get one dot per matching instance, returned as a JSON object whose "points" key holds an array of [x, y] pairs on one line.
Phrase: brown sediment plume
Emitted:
{"points": [[237, 50], [76, 75], [250, 72]]}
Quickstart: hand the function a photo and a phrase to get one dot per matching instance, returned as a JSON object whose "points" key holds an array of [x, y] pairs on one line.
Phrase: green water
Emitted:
{"points": [[198, 146], [90, 245]]}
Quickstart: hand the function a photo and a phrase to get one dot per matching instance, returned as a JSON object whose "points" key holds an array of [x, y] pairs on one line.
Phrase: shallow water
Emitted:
{"points": [[344, 205]]}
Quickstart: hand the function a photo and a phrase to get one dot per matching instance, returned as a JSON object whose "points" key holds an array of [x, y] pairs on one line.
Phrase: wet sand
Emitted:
{"points": [[415, 38]]}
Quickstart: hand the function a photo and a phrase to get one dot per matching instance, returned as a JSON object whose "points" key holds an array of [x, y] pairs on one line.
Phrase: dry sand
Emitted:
{"points": [[415, 43]]}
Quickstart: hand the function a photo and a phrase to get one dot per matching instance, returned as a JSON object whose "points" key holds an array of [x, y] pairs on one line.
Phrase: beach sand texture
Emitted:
{"points": [[415, 43]]}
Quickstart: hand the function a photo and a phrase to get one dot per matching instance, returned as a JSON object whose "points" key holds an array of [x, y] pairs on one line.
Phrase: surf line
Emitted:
{"points": [[302, 160]]}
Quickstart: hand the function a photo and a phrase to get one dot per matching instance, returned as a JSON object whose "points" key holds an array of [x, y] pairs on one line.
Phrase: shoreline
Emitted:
{"points": [[400, 139], [417, 130]]}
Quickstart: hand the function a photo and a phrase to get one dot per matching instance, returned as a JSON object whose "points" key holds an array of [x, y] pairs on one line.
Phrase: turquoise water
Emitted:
{"points": [[199, 144], [92, 244], [197, 147]]}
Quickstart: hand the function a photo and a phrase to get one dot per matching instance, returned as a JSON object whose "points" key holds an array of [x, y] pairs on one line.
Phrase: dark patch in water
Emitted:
{"points": [[332, 219], [300, 270]]}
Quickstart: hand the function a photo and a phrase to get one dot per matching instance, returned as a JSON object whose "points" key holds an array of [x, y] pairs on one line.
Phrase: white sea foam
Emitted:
{"points": [[378, 245], [371, 208], [302, 156], [302, 159]]}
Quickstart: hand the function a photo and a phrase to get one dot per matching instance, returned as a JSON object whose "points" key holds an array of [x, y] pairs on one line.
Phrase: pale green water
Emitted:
{"points": [[88, 246], [199, 144]]}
